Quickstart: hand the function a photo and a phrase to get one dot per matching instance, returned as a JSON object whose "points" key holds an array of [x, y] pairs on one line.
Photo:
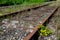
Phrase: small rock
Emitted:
{"points": [[5, 21], [31, 30], [16, 33], [31, 26], [21, 39]]}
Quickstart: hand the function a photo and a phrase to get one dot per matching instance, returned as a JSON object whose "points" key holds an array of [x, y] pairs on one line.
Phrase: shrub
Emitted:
{"points": [[14, 2], [44, 31], [11, 2]]}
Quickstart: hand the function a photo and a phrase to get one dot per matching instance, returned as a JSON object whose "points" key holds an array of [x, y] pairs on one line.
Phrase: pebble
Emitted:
{"points": [[31, 30], [14, 22], [16, 33], [31, 26], [21, 28], [4, 30], [5, 21], [13, 38], [42, 9], [40, 22], [21, 39], [14, 26], [3, 27]]}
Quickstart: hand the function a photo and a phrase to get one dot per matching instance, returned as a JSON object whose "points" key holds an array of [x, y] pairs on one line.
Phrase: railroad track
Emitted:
{"points": [[21, 9], [23, 25], [53, 24], [43, 20]]}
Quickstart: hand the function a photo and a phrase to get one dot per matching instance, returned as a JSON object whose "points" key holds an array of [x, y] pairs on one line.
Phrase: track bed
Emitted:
{"points": [[54, 25], [22, 25]]}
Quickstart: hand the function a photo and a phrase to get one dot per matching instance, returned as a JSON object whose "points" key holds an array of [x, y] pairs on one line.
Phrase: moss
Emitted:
{"points": [[44, 31]]}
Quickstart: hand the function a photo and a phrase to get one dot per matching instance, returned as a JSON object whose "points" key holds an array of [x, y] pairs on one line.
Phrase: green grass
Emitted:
{"points": [[25, 4], [15, 2]]}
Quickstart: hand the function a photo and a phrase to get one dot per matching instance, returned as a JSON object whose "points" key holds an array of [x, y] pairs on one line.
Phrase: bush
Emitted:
{"points": [[14, 2], [3, 1], [11, 2], [34, 1], [44, 31]]}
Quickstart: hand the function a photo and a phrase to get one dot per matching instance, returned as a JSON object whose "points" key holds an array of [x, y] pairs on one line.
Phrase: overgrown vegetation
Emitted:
{"points": [[11, 2], [44, 31], [15, 2], [58, 38]]}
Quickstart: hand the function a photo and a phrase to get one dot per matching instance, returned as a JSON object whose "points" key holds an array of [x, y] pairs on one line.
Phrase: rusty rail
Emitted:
{"points": [[26, 9]]}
